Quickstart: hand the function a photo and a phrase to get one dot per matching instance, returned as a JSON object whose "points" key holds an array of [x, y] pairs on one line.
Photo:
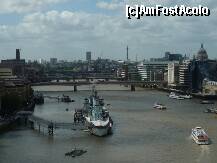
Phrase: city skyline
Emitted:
{"points": [[67, 29]]}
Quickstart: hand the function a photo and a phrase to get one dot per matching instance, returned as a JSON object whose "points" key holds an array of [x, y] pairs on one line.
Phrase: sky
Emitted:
{"points": [[66, 29]]}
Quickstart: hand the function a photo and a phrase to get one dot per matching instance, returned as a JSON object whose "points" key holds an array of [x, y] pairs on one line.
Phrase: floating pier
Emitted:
{"points": [[38, 123], [64, 98]]}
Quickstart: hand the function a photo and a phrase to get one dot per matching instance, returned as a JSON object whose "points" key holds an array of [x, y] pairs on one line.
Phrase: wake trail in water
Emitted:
{"points": [[204, 153], [189, 137]]}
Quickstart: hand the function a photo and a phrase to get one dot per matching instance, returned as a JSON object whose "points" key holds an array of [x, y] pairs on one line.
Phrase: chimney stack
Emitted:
{"points": [[17, 54]]}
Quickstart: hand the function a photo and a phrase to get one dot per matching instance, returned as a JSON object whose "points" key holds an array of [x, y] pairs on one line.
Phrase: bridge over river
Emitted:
{"points": [[131, 83]]}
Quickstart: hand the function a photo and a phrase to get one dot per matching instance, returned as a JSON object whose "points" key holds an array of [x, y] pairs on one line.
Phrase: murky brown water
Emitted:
{"points": [[141, 133]]}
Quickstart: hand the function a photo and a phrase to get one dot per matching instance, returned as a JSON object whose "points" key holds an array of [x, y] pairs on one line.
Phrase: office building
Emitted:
{"points": [[53, 61], [185, 79], [169, 57], [17, 65], [141, 71], [88, 56], [6, 73], [173, 73], [14, 94], [209, 87], [155, 70]]}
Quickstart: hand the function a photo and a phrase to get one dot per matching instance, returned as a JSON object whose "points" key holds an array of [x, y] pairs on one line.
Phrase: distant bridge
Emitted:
{"points": [[69, 83], [116, 82]]}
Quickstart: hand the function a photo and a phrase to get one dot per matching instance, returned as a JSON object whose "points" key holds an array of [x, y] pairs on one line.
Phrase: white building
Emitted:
{"points": [[184, 74], [173, 73], [142, 72], [209, 87], [155, 70]]}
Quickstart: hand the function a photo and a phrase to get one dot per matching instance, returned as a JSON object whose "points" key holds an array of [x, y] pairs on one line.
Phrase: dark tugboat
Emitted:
{"points": [[65, 98], [75, 152]]}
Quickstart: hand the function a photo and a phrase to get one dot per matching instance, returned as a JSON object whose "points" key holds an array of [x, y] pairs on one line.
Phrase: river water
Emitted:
{"points": [[141, 133]]}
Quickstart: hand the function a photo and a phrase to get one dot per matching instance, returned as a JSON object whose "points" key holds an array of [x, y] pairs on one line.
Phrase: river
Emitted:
{"points": [[141, 133]]}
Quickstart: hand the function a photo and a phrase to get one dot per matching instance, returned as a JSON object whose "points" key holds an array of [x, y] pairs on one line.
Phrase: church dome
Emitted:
{"points": [[202, 54]]}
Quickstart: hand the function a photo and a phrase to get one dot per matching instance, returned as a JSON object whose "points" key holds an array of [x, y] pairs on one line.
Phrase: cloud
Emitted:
{"points": [[23, 6], [109, 5], [67, 35]]}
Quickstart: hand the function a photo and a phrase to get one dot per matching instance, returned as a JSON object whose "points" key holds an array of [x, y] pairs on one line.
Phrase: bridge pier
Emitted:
{"points": [[39, 128], [75, 88], [25, 121], [133, 88], [50, 129], [32, 125]]}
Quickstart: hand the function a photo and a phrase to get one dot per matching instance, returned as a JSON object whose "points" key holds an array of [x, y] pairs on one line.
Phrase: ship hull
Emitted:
{"points": [[100, 131], [199, 142]]}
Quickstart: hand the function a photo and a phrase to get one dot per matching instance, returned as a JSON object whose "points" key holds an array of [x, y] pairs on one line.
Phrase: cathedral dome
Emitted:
{"points": [[202, 54]]}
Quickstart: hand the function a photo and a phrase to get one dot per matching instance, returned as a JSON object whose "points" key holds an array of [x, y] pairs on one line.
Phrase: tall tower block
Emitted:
{"points": [[17, 54], [127, 53]]}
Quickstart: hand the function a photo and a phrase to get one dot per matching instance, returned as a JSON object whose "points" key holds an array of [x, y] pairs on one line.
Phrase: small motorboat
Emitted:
{"points": [[199, 136], [210, 110], [65, 98], [207, 102], [186, 96], [159, 106], [180, 98], [174, 96]]}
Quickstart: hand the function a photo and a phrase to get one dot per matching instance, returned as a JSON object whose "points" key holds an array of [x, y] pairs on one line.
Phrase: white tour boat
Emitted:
{"points": [[199, 136]]}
